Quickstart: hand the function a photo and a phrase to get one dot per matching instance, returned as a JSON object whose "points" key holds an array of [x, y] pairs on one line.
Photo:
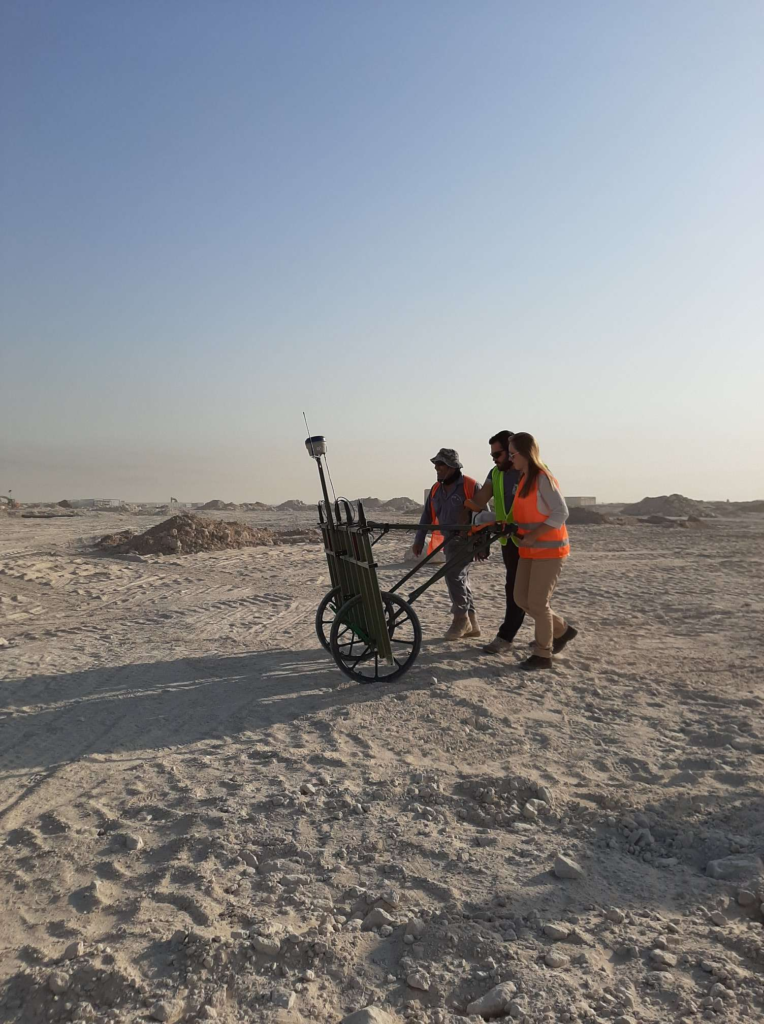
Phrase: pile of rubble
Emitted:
{"points": [[188, 534], [671, 505], [402, 505], [217, 505], [293, 505], [583, 516]]}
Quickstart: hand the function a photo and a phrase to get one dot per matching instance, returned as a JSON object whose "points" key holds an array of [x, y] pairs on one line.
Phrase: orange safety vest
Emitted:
{"points": [[552, 543], [436, 538]]}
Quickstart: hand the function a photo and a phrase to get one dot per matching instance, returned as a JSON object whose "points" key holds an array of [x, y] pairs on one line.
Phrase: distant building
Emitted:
{"points": [[579, 502]]}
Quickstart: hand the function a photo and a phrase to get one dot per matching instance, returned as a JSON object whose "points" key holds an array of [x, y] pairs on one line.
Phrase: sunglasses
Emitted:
{"points": [[498, 455]]}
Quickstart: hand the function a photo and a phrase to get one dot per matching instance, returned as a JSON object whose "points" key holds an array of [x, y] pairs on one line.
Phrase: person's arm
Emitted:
{"points": [[480, 498], [425, 521], [552, 497]]}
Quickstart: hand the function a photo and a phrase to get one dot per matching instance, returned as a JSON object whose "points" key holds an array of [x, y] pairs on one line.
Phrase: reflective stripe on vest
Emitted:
{"points": [[552, 543], [436, 538], [499, 505]]}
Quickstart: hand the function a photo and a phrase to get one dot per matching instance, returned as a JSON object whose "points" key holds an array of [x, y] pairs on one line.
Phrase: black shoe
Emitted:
{"points": [[570, 634], [536, 661]]}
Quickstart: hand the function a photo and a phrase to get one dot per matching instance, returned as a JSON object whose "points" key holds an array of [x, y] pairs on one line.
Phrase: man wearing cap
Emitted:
{"points": [[445, 507]]}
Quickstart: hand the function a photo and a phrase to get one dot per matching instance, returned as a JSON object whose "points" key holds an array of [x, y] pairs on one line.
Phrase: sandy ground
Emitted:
{"points": [[201, 819]]}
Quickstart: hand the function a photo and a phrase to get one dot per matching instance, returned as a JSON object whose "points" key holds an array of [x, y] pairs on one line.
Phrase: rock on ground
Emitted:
{"points": [[737, 868], [494, 1002], [566, 867], [370, 1015]]}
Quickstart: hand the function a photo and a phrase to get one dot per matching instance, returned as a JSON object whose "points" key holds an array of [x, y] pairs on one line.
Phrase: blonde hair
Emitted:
{"points": [[527, 446]]}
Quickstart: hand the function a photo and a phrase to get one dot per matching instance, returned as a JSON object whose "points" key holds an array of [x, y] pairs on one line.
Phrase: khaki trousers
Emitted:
{"points": [[534, 586]]}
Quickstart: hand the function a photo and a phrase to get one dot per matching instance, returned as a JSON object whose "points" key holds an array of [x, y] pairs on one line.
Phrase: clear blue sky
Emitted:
{"points": [[421, 221]]}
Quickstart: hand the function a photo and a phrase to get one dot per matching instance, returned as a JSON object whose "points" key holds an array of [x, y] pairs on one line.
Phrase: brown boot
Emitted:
{"points": [[536, 662], [498, 646], [459, 628], [570, 634], [474, 630]]}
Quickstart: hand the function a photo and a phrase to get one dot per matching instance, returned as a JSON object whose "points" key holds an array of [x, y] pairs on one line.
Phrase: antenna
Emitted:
{"points": [[310, 436]]}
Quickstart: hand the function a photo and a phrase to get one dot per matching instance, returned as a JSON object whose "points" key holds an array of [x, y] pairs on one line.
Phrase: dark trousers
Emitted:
{"points": [[513, 620]]}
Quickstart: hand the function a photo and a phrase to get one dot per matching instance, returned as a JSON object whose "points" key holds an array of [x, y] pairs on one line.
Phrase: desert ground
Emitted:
{"points": [[201, 819]]}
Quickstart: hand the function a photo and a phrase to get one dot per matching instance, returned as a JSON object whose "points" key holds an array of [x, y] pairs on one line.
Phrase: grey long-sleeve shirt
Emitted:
{"points": [[449, 508], [550, 502]]}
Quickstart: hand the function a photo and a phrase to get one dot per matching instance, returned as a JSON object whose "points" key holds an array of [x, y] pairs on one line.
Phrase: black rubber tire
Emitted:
{"points": [[323, 627], [400, 615]]}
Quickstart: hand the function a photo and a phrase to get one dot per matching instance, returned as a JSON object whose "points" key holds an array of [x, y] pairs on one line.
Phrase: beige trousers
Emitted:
{"points": [[534, 585]]}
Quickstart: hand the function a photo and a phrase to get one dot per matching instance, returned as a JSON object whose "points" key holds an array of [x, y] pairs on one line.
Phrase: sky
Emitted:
{"points": [[417, 221]]}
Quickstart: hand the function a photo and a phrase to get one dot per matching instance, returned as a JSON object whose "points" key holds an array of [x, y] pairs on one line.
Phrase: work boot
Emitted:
{"points": [[570, 634], [474, 630], [536, 662], [459, 628], [498, 646]]}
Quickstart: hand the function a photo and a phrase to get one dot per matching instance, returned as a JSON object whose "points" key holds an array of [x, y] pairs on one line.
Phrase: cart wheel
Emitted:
{"points": [[358, 658], [327, 611], [325, 616]]}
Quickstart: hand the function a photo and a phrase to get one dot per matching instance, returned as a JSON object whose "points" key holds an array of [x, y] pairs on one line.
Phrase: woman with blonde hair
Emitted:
{"points": [[540, 512]]}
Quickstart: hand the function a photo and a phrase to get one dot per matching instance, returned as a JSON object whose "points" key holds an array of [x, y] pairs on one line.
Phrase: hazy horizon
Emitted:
{"points": [[419, 223], [306, 485]]}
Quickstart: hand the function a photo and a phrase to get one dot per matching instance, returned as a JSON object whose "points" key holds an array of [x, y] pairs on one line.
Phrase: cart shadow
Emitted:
{"points": [[49, 720]]}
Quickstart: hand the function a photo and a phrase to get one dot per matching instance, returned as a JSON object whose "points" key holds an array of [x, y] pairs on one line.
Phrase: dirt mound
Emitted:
{"points": [[293, 505], [65, 504], [747, 506], [256, 506], [370, 502], [402, 505], [218, 505], [587, 517], [186, 534], [666, 505]]}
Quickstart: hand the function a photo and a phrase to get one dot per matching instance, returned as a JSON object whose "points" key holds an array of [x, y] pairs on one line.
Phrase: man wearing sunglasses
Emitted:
{"points": [[501, 484]]}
